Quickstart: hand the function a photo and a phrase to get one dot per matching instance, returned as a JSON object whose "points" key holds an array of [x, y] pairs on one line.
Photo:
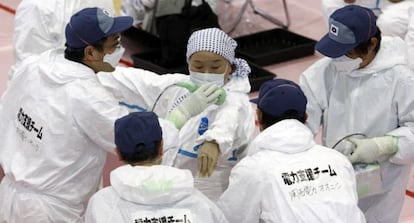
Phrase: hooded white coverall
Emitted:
{"points": [[151, 194], [40, 26], [287, 177], [57, 122], [231, 125], [376, 101]]}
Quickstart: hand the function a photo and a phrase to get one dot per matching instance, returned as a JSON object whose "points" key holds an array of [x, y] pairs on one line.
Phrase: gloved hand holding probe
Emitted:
{"points": [[370, 149], [191, 87], [197, 102]]}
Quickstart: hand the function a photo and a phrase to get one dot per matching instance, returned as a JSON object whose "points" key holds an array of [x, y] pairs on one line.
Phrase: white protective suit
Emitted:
{"points": [[40, 26], [57, 123], [142, 193], [376, 101], [231, 124], [287, 177]]}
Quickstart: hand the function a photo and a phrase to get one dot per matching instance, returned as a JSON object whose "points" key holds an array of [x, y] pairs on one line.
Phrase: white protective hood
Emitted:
{"points": [[284, 148], [388, 56], [154, 185], [292, 137], [238, 84]]}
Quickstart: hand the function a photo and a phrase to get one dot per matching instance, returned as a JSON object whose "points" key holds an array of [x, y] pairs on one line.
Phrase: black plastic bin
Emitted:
{"points": [[258, 76], [272, 46], [140, 41], [151, 61]]}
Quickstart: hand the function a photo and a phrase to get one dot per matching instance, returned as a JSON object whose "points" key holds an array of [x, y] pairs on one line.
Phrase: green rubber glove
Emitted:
{"points": [[194, 104], [191, 87]]}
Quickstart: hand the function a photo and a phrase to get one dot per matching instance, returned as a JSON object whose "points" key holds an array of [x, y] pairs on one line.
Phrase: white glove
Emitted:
{"points": [[207, 158], [193, 105], [345, 146], [191, 87], [369, 150]]}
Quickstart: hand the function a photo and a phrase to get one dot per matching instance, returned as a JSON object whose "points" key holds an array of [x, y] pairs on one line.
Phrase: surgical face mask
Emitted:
{"points": [[199, 78], [346, 64], [114, 57], [203, 78]]}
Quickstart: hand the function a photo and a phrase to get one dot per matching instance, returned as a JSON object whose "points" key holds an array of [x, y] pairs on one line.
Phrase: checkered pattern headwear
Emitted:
{"points": [[216, 41], [212, 40]]}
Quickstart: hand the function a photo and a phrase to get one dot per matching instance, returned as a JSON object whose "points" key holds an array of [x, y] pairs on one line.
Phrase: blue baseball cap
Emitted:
{"points": [[137, 128], [348, 27], [89, 25], [279, 95]]}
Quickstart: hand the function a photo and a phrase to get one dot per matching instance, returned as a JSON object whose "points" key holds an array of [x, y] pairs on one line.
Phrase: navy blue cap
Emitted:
{"points": [[278, 96], [90, 25], [137, 128], [348, 27]]}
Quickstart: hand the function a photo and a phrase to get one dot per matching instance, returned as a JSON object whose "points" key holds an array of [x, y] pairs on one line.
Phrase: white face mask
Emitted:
{"points": [[114, 57], [199, 78], [345, 64]]}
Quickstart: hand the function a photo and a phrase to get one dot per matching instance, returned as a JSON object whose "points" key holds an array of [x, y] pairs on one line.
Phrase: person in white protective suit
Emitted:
{"points": [[58, 123], [395, 18], [39, 27], [212, 142], [143, 190], [286, 176], [363, 86]]}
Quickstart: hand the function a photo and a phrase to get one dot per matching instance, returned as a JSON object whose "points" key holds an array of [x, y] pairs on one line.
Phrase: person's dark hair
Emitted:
{"points": [[77, 54], [362, 48], [268, 120], [141, 153]]}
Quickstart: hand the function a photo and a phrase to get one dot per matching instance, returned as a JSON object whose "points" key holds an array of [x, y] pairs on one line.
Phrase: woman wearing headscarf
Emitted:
{"points": [[213, 141]]}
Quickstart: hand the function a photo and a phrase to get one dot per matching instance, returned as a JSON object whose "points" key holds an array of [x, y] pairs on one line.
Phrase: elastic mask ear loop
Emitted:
{"points": [[225, 71]]}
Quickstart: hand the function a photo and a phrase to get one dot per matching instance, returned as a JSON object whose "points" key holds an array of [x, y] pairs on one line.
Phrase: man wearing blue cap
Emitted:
{"points": [[143, 190], [286, 176], [363, 86], [58, 122], [394, 18], [46, 29]]}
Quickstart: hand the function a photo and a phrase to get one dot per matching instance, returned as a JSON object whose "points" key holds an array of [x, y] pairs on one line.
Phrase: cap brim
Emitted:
{"points": [[331, 48], [254, 100], [121, 24]]}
